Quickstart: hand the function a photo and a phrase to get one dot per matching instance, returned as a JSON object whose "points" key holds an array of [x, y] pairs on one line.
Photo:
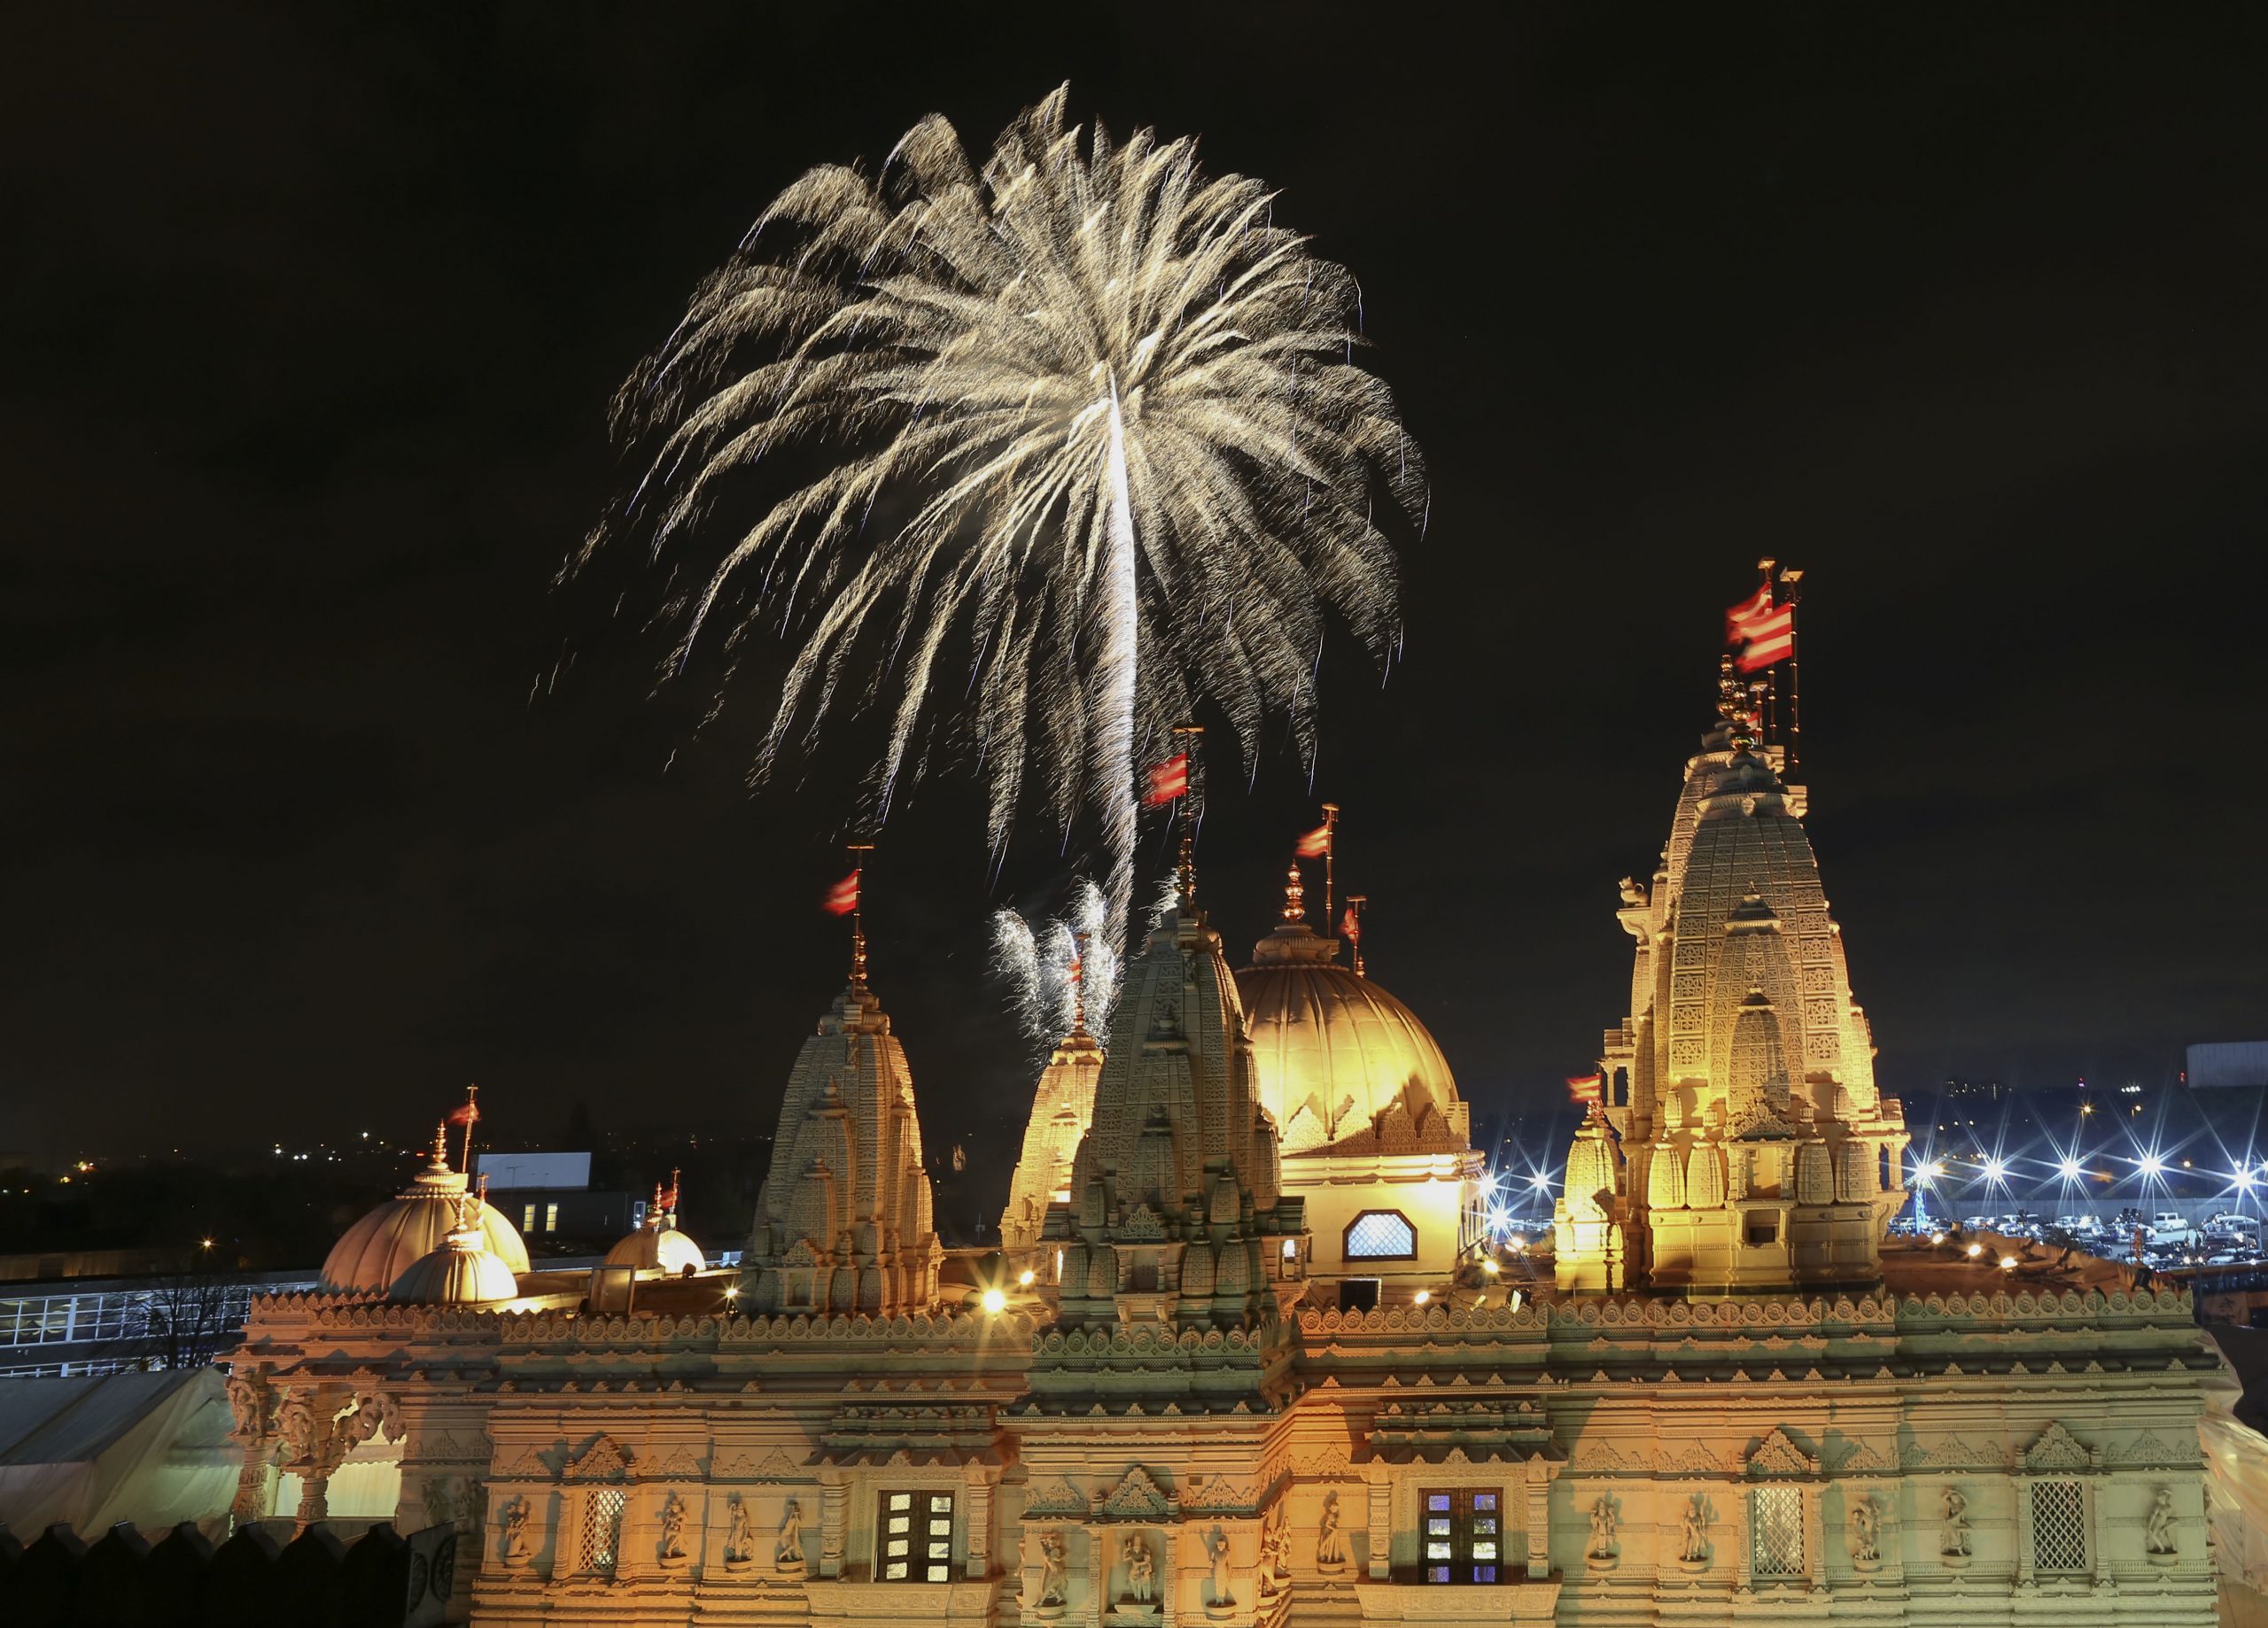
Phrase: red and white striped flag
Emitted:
{"points": [[1585, 1088], [1738, 617], [1770, 637], [1167, 780], [843, 898], [1315, 843]]}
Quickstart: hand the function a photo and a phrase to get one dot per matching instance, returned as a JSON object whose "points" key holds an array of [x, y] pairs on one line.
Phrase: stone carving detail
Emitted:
{"points": [[2058, 1449], [1953, 1524], [1693, 1532], [1777, 1455], [1692, 1458], [1952, 1453], [602, 1460], [1330, 1541], [2158, 1538], [1217, 1597], [1054, 1495], [1862, 1532], [1865, 1459], [1141, 1569], [1137, 1498], [2147, 1448], [1275, 1551], [789, 1550], [513, 1549], [1054, 1571], [740, 1532], [1602, 1523], [252, 1404], [672, 1545]]}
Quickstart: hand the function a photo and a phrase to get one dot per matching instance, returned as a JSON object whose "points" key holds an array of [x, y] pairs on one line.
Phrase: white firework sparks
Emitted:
{"points": [[1112, 411], [1061, 971]]}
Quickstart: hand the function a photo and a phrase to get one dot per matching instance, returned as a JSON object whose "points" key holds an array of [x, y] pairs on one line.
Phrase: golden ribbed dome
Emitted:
{"points": [[376, 1251], [462, 1272], [1343, 1067]]}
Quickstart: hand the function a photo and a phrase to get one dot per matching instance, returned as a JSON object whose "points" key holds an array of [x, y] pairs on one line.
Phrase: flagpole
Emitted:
{"points": [[1187, 737], [464, 1159], [1355, 902], [1330, 829], [858, 904], [1769, 719], [1792, 580]]}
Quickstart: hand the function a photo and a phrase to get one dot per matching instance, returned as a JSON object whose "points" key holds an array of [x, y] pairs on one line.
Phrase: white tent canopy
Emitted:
{"points": [[151, 1449]]}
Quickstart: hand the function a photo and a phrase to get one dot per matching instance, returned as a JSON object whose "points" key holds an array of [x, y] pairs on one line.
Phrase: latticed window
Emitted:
{"points": [[1776, 1531], [1461, 1534], [914, 1537], [602, 1528], [2058, 1526], [1381, 1235]]}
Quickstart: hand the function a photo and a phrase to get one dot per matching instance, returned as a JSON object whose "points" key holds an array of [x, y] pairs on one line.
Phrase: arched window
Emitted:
{"points": [[1621, 1088], [1381, 1235]]}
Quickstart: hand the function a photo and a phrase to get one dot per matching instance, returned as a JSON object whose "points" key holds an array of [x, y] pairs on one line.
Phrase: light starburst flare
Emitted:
{"points": [[1083, 423]]}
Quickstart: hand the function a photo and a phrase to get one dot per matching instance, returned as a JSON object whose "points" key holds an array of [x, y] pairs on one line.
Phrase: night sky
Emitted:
{"points": [[309, 316]]}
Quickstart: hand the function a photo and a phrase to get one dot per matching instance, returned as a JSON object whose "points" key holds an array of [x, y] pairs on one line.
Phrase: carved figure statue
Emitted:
{"points": [[1693, 1529], [247, 1405], [1055, 1569], [740, 1534], [1864, 1532], [790, 1549], [514, 1550], [2159, 1538], [1141, 1569], [1330, 1542], [1275, 1550], [672, 1528], [376, 1414], [1952, 1525], [296, 1422], [1216, 1549], [1602, 1528], [1633, 891]]}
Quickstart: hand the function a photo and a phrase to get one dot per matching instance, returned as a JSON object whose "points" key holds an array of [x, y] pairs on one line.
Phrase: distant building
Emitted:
{"points": [[66, 1327], [2229, 1063], [550, 1196]]}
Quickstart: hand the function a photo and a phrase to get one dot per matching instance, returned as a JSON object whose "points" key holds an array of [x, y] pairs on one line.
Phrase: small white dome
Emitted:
{"points": [[462, 1272], [659, 1248]]}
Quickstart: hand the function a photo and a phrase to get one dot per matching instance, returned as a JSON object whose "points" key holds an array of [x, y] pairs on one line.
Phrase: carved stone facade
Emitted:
{"points": [[843, 1222], [1181, 1434], [1750, 1147]]}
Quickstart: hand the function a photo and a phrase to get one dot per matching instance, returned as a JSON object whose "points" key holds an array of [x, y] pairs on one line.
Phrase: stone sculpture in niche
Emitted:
{"points": [[790, 1549], [1952, 1525], [1330, 1542]]}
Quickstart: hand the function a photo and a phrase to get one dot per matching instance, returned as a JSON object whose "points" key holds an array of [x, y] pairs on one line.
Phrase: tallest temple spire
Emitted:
{"points": [[1748, 1146]]}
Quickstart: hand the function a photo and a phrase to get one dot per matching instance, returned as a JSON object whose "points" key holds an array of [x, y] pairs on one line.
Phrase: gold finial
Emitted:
{"points": [[1355, 903], [1295, 909], [1187, 871], [1078, 979], [441, 1145]]}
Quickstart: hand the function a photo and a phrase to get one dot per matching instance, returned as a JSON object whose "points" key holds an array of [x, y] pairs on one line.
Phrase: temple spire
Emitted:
{"points": [[858, 852]]}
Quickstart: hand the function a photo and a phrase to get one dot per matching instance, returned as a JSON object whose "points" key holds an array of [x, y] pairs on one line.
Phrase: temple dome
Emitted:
{"points": [[462, 1272], [1343, 1065], [658, 1246], [377, 1250]]}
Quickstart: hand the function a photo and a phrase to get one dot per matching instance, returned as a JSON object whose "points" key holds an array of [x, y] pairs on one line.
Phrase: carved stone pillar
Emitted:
{"points": [[1539, 1474], [1381, 1519], [251, 1400], [250, 1501], [979, 1563], [834, 1516]]}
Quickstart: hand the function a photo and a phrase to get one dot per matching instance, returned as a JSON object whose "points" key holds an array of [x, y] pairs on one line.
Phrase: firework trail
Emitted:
{"points": [[1087, 405], [1046, 967]]}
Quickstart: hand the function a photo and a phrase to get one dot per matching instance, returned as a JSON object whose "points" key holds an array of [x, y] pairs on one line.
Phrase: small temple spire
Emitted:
{"points": [[1295, 909]]}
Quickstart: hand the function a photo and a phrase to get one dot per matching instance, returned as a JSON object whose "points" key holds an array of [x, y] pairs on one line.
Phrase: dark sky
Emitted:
{"points": [[309, 320]]}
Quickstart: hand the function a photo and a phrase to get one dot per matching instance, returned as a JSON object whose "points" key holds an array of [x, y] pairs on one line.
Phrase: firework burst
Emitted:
{"points": [[1113, 413]]}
